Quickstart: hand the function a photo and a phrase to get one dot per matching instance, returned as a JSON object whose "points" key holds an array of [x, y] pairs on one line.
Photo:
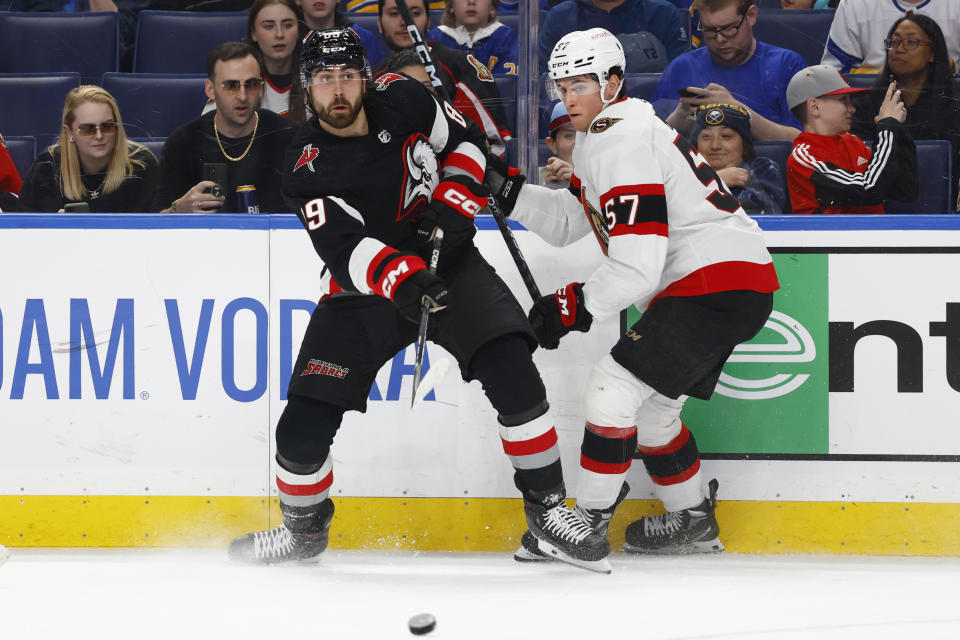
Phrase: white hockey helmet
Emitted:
{"points": [[595, 51]]}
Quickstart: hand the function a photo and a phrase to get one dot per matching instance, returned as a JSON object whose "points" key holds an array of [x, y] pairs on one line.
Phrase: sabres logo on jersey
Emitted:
{"points": [[603, 124], [309, 154], [384, 81], [421, 174], [483, 73]]}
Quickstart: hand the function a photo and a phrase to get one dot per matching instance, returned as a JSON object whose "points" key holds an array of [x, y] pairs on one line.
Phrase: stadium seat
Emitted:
{"points": [[935, 166], [86, 43], [180, 41], [153, 105], [802, 31], [31, 104], [366, 20], [507, 86], [778, 151], [642, 85], [154, 144], [23, 150]]}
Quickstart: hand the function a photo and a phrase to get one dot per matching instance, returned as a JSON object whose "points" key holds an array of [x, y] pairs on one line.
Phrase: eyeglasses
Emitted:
{"points": [[90, 129], [250, 84], [909, 44], [712, 33]]}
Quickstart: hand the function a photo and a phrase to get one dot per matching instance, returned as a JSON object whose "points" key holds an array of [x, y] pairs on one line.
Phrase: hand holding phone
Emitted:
{"points": [[686, 93]]}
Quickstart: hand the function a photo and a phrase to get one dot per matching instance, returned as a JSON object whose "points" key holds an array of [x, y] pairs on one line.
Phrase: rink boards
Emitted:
{"points": [[144, 361]]}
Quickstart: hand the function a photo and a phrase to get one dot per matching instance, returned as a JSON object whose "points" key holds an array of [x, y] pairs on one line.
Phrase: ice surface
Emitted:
{"points": [[142, 594]]}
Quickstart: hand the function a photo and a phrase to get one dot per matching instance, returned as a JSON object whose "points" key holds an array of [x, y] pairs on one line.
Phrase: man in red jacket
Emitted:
{"points": [[833, 171]]}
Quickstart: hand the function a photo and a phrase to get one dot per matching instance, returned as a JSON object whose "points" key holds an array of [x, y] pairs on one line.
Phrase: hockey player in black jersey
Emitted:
{"points": [[380, 165]]}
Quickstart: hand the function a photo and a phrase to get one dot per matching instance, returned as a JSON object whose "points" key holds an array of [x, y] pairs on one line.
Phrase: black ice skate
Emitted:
{"points": [[597, 519], [562, 535], [678, 532], [302, 536]]}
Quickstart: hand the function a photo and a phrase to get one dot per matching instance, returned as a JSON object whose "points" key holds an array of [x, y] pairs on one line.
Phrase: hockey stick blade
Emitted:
{"points": [[433, 376]]}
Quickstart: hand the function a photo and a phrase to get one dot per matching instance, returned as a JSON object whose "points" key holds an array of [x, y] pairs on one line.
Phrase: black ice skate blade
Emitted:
{"points": [[686, 549], [525, 555], [599, 566]]}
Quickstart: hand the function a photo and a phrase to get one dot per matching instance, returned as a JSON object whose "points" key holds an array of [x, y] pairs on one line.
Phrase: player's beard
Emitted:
{"points": [[344, 119]]}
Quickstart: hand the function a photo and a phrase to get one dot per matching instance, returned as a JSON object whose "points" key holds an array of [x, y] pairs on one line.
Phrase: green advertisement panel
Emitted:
{"points": [[773, 395]]}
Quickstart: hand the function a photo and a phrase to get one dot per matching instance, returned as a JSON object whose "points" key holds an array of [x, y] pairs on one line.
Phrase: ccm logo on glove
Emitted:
{"points": [[464, 203], [392, 276]]}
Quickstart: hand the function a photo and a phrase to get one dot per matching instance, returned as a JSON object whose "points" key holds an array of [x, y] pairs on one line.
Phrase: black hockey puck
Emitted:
{"points": [[422, 624]]}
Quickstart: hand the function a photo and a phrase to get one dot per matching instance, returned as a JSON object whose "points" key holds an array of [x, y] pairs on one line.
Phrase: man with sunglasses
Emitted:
{"points": [[238, 143], [732, 67]]}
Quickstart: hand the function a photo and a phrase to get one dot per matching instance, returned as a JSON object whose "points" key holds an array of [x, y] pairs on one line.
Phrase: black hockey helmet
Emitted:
{"points": [[332, 47]]}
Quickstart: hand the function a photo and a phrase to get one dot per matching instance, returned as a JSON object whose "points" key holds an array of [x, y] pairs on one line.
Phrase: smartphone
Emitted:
{"points": [[76, 207], [686, 93], [216, 172]]}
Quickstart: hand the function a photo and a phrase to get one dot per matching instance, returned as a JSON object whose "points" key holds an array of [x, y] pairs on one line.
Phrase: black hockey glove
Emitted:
{"points": [[554, 316], [409, 293], [455, 201], [504, 183]]}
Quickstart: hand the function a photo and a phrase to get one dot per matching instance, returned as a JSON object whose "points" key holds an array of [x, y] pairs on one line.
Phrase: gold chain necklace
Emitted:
{"points": [[256, 122]]}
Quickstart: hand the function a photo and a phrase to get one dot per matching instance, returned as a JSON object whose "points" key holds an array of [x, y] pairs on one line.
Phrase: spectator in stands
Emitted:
{"points": [[856, 38], [464, 78], [659, 17], [721, 133], [562, 139], [733, 68], [831, 170], [808, 4], [325, 14], [92, 162], [917, 60], [247, 141], [472, 26], [9, 176], [273, 26], [408, 63]]}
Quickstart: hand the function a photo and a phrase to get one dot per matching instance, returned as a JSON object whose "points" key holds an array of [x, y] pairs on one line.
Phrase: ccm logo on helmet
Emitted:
{"points": [[468, 206]]}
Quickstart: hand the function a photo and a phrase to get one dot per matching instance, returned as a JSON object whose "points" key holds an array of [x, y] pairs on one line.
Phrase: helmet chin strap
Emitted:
{"points": [[603, 90]]}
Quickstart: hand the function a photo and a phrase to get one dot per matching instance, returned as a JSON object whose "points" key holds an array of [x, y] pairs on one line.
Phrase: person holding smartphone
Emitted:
{"points": [[238, 144], [92, 166]]}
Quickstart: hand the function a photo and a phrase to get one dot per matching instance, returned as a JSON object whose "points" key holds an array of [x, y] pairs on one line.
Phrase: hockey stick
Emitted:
{"points": [[421, 387], [512, 247]]}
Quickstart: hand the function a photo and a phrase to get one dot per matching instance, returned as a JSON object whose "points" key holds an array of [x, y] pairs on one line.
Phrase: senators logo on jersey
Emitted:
{"points": [[483, 73], [309, 154], [421, 175], [603, 124]]}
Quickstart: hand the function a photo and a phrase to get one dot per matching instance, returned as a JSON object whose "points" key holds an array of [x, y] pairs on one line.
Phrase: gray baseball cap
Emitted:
{"points": [[813, 82]]}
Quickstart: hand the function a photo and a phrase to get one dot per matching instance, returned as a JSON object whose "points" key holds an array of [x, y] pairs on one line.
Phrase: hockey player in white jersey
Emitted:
{"points": [[679, 247]]}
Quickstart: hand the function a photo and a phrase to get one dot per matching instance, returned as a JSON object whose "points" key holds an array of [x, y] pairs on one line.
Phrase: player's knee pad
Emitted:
{"points": [[658, 420], [305, 432], [613, 395], [504, 366]]}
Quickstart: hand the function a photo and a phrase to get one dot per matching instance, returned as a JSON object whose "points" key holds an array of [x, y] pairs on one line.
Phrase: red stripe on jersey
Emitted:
{"points": [[314, 489], [644, 229], [612, 432], [680, 477], [575, 181], [724, 276], [671, 447], [464, 163], [633, 189], [604, 467], [535, 445]]}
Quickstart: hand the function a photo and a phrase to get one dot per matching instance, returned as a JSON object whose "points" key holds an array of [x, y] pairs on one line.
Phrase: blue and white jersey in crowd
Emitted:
{"points": [[495, 45]]}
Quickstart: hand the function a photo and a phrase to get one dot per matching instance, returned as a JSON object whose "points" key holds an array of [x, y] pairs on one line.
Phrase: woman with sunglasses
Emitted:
{"points": [[92, 163], [917, 60]]}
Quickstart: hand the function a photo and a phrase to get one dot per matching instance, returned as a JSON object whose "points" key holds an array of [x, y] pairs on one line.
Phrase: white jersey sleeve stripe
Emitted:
{"points": [[360, 259], [440, 133]]}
